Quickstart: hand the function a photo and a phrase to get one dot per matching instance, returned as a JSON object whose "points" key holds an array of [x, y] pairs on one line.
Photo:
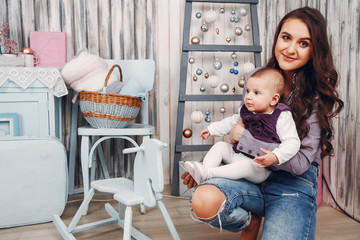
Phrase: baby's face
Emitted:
{"points": [[259, 95]]}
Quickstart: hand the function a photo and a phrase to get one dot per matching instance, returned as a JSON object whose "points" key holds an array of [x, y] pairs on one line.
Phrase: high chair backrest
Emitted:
{"points": [[141, 70], [148, 171]]}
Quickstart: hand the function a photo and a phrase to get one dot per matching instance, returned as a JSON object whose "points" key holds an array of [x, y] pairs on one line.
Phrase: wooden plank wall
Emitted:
{"points": [[131, 29]]}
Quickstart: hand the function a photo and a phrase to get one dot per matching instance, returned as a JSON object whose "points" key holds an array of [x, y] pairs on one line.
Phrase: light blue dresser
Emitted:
{"points": [[34, 94], [33, 164]]}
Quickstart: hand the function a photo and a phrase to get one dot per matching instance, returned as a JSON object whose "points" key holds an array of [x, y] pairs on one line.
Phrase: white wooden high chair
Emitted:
{"points": [[145, 189], [91, 138]]}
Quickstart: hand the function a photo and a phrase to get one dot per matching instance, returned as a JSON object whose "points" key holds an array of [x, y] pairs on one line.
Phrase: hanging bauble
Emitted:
{"points": [[233, 89], [197, 116], [195, 40], [198, 15], [213, 81], [242, 11], [232, 12], [187, 133], [204, 27], [247, 27], [195, 78], [217, 31], [202, 89], [241, 82], [232, 19], [248, 67], [207, 112], [217, 64], [191, 60], [210, 16], [222, 110], [228, 39], [199, 71], [224, 88], [238, 31], [233, 55], [206, 75], [236, 19], [222, 10], [207, 119]]}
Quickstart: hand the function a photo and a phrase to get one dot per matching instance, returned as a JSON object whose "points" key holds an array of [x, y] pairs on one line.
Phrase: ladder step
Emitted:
{"points": [[225, 48], [226, 1], [232, 97], [192, 148]]}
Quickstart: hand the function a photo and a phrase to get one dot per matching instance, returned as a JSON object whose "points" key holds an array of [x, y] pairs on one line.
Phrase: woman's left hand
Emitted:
{"points": [[236, 132]]}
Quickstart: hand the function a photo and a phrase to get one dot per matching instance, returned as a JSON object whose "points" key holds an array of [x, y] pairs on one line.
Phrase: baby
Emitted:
{"points": [[266, 120]]}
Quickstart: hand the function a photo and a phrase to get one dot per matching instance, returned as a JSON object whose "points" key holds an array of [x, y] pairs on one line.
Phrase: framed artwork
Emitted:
{"points": [[9, 124]]}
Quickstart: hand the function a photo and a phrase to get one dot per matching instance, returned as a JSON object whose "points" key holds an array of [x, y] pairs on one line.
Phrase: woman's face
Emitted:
{"points": [[293, 45]]}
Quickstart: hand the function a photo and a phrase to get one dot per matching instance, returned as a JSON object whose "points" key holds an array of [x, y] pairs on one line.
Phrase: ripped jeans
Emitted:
{"points": [[287, 201]]}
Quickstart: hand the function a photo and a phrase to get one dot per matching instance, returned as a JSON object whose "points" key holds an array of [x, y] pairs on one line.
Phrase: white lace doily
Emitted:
{"points": [[24, 76]]}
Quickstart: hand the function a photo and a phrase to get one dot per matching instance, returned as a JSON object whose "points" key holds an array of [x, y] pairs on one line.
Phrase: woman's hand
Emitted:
{"points": [[236, 132], [188, 180]]}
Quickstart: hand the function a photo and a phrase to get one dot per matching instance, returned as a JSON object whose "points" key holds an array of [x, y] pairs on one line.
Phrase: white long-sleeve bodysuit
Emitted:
{"points": [[237, 165]]}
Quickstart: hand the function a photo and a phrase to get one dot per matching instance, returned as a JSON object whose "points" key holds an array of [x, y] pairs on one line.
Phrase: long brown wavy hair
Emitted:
{"points": [[314, 82]]}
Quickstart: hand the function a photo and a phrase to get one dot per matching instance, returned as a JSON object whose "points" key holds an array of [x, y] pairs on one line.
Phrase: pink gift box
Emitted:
{"points": [[49, 47]]}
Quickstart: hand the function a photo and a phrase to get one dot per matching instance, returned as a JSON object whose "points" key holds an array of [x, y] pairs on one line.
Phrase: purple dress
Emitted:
{"points": [[262, 126]]}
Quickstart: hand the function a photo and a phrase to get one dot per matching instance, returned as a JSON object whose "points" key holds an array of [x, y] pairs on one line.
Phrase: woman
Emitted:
{"points": [[287, 199]]}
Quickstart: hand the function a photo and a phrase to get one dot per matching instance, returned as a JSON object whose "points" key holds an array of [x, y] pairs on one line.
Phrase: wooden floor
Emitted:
{"points": [[331, 223]]}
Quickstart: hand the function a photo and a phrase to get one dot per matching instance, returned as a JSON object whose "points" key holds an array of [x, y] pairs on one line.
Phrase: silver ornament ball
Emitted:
{"points": [[233, 55], [224, 88], [204, 27]]}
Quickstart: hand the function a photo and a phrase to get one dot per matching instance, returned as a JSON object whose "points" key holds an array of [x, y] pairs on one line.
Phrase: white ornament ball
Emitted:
{"points": [[248, 67], [210, 16], [243, 11], [213, 81], [197, 116]]}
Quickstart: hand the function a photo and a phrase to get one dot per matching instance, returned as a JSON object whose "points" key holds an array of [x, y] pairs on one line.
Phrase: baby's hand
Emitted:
{"points": [[205, 133], [266, 160]]}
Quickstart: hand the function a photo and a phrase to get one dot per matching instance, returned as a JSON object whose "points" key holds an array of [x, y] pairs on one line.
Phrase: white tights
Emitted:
{"points": [[237, 165]]}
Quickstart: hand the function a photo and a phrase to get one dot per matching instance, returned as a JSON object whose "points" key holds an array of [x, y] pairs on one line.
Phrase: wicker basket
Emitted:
{"points": [[108, 110]]}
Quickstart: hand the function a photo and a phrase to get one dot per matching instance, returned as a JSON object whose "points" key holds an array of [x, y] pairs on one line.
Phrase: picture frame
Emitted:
{"points": [[9, 124]]}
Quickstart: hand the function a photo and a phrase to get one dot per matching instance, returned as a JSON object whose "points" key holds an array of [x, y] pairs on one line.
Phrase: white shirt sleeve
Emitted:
{"points": [[223, 127], [290, 142]]}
